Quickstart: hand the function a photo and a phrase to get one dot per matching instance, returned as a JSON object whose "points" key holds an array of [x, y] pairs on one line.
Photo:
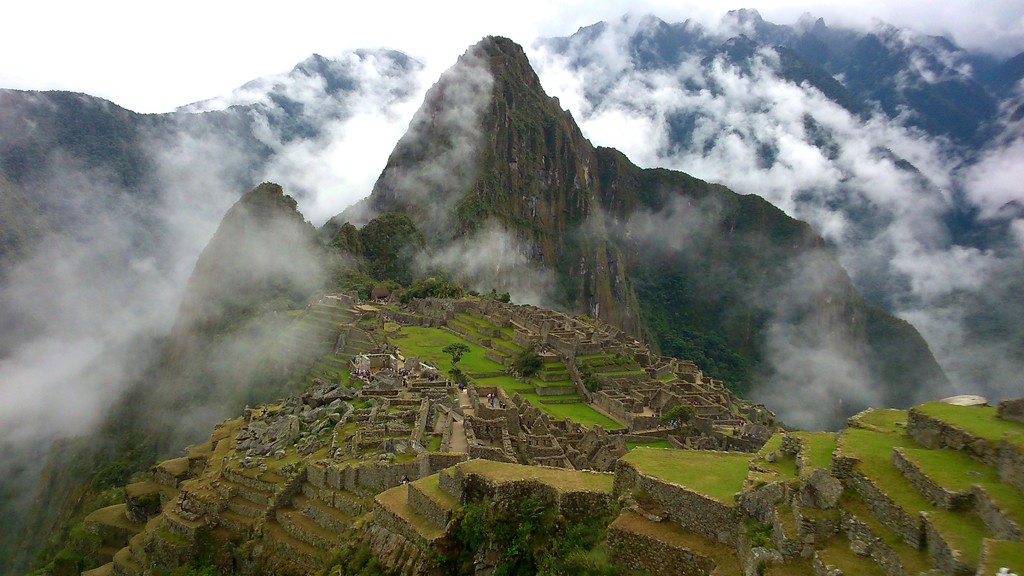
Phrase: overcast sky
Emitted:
{"points": [[153, 57]]}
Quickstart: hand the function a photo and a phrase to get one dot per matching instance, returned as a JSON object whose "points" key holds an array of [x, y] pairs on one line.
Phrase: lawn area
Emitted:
{"points": [[874, 450], [659, 443], [956, 471], [577, 412], [507, 383], [784, 465], [1003, 554], [427, 343], [563, 480], [818, 446], [719, 475], [883, 420], [980, 421]]}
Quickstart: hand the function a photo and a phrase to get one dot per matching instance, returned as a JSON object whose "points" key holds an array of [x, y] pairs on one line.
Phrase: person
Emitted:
{"points": [[405, 479]]}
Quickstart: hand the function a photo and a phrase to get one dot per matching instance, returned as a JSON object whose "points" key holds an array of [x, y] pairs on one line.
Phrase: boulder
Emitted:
{"points": [[821, 490]]}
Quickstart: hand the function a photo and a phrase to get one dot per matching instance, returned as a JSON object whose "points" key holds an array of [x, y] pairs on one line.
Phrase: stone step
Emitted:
{"points": [[838, 556], [286, 546], [237, 523], [105, 570], [145, 499], [342, 500], [258, 489], [124, 565], [953, 481], [873, 538], [305, 529], [326, 516], [245, 507], [394, 511], [633, 540], [112, 525], [429, 501]]}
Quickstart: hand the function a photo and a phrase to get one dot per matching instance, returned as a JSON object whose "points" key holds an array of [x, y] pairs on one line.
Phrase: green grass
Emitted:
{"points": [[433, 442], [818, 446], [650, 444], [958, 472], [427, 343], [578, 412], [883, 420], [563, 480], [1003, 554], [914, 561], [980, 421], [874, 450], [719, 475], [962, 531], [837, 553], [784, 466]]}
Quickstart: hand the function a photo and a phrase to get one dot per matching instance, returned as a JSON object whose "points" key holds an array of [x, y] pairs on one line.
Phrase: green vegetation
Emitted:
{"points": [[389, 243], [679, 414], [980, 421], [429, 343], [649, 444], [532, 538], [528, 362], [718, 475], [818, 447], [431, 288]]}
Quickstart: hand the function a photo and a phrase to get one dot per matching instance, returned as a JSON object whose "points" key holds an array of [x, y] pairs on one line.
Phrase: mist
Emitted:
{"points": [[846, 174]]}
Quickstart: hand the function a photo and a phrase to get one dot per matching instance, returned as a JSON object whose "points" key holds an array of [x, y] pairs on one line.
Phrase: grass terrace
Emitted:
{"points": [[1002, 554], [818, 447], [655, 443], [719, 475], [558, 478], [914, 561], [956, 471], [962, 531], [784, 466], [979, 421], [874, 450], [427, 344], [881, 420]]}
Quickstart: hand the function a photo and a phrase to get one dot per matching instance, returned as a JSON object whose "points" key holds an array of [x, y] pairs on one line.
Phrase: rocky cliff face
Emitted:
{"points": [[493, 166]]}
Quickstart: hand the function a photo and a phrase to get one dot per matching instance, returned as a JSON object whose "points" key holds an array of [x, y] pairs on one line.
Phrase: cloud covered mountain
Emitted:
{"points": [[901, 150]]}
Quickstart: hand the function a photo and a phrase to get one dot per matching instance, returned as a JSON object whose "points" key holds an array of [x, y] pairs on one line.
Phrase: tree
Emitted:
{"points": [[680, 414], [528, 362], [455, 350]]}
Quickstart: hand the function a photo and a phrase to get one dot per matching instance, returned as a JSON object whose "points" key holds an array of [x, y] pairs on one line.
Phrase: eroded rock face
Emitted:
{"points": [[820, 490], [1012, 410]]}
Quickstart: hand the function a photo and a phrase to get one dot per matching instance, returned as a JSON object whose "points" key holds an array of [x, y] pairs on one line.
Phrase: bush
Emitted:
{"points": [[528, 362]]}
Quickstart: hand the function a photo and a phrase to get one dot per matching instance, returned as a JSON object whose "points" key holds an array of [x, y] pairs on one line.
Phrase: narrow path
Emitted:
{"points": [[459, 442]]}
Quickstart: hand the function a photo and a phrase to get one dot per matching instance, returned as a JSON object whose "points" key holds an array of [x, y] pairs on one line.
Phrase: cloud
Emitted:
{"points": [[493, 259], [436, 159], [879, 192]]}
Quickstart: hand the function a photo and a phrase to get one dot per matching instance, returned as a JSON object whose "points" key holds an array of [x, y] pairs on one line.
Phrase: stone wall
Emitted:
{"points": [[909, 526], [687, 508], [648, 555], [932, 433], [930, 489], [1011, 463], [1011, 410], [996, 520], [944, 557], [866, 543]]}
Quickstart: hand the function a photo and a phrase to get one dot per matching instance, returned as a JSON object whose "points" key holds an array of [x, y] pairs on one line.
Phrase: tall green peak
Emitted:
{"points": [[263, 250], [504, 185]]}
